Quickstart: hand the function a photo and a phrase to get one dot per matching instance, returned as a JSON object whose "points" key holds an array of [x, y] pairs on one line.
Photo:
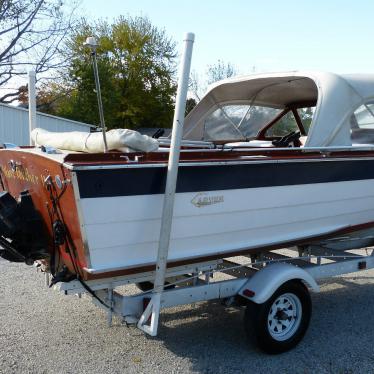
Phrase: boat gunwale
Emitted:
{"points": [[221, 157], [100, 166], [226, 156]]}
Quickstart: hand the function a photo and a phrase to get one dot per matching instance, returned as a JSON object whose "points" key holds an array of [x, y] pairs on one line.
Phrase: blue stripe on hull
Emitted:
{"points": [[151, 180]]}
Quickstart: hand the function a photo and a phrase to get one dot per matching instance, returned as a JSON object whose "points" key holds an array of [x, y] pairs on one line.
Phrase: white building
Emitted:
{"points": [[14, 124]]}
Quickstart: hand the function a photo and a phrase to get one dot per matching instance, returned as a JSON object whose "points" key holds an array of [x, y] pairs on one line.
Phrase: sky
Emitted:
{"points": [[261, 36]]}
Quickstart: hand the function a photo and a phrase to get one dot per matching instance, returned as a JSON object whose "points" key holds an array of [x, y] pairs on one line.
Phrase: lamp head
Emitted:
{"points": [[91, 42]]}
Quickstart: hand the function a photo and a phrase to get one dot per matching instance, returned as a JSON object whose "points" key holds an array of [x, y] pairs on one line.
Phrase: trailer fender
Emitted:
{"points": [[261, 286]]}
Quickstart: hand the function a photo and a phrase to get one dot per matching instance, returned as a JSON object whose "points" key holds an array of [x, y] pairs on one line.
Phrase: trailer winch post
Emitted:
{"points": [[153, 309]]}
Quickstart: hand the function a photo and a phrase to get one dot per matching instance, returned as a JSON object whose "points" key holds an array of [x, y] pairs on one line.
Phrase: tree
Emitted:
{"points": [[31, 32], [136, 64], [190, 104], [46, 97], [218, 71]]}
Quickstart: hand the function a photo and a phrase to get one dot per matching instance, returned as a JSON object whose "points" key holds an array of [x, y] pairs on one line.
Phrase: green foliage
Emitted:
{"points": [[306, 116], [136, 69], [190, 104], [284, 126], [288, 122]]}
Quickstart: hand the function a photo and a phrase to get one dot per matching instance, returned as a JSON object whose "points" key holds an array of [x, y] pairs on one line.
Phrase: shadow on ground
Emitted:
{"points": [[339, 339], [42, 332]]}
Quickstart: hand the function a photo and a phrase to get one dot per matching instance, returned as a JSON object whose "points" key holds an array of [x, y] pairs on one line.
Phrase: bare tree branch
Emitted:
{"points": [[13, 95], [26, 24], [31, 33]]}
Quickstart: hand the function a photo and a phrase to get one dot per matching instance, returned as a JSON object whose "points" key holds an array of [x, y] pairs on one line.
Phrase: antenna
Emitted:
{"points": [[91, 42]]}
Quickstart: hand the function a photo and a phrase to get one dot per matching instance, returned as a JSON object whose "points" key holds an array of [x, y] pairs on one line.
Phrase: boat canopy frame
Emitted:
{"points": [[336, 97]]}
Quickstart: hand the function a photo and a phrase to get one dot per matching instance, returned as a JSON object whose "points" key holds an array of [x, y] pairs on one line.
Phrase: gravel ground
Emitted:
{"points": [[43, 331]]}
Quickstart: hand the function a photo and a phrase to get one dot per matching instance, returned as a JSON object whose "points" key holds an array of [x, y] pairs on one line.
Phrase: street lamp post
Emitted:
{"points": [[92, 44]]}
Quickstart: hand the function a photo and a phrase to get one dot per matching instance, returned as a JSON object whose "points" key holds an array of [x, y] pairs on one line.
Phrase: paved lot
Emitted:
{"points": [[43, 331]]}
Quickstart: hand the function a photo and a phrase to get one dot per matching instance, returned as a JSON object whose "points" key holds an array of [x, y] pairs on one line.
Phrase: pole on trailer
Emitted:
{"points": [[153, 308], [92, 44], [32, 103]]}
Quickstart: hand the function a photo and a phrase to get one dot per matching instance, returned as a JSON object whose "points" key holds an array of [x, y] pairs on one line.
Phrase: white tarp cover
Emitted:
{"points": [[336, 96], [120, 139]]}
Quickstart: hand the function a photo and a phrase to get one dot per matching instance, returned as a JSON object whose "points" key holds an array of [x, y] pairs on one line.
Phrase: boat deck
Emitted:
{"points": [[220, 154]]}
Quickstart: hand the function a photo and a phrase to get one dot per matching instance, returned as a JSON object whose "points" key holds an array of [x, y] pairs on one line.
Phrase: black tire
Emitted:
{"points": [[145, 286], [148, 286], [271, 328]]}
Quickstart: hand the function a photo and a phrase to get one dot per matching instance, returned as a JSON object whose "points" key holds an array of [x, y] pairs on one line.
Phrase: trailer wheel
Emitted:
{"points": [[148, 286], [280, 323]]}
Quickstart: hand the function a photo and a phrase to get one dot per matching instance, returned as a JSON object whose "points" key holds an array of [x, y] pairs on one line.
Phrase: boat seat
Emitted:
{"points": [[259, 143], [362, 136], [303, 140]]}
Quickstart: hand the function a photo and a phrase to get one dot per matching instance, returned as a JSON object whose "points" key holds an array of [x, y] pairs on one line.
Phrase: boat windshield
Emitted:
{"points": [[237, 122]]}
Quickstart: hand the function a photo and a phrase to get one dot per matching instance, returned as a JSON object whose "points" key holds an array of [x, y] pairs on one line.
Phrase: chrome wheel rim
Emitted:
{"points": [[284, 316]]}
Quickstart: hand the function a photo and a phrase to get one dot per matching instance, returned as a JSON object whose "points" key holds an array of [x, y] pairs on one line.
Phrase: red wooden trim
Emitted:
{"points": [[218, 155]]}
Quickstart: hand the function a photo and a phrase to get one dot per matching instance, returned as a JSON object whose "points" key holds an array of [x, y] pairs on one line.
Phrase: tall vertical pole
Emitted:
{"points": [[172, 171], [32, 104], [99, 101], [171, 181]]}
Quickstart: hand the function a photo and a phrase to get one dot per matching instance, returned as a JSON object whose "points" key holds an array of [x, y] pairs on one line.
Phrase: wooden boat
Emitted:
{"points": [[267, 160]]}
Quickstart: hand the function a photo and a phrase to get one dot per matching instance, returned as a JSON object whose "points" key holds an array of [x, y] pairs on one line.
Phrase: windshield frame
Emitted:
{"points": [[261, 134]]}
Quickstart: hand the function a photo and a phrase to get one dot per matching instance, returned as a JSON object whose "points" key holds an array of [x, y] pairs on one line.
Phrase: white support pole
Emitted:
{"points": [[171, 180], [32, 103]]}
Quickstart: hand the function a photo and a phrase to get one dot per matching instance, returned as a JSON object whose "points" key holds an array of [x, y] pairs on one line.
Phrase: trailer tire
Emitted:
{"points": [[280, 323], [148, 286]]}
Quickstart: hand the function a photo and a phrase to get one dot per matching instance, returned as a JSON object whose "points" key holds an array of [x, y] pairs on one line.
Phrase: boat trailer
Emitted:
{"points": [[274, 286]]}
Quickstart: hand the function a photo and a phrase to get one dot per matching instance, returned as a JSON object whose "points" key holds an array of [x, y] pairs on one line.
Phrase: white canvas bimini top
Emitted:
{"points": [[336, 98]]}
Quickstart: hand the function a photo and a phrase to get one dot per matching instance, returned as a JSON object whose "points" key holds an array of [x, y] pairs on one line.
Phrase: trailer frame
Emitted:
{"points": [[253, 282]]}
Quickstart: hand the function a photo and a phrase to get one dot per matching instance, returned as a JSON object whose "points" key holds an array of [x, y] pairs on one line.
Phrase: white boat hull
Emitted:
{"points": [[123, 231]]}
